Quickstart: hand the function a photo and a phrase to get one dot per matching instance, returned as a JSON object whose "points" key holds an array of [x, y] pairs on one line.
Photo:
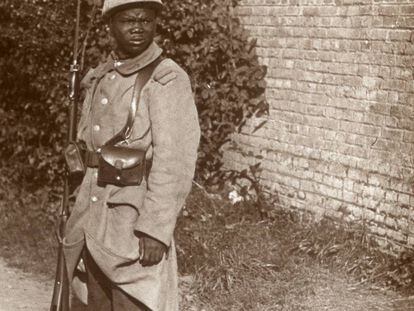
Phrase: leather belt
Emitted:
{"points": [[92, 159]]}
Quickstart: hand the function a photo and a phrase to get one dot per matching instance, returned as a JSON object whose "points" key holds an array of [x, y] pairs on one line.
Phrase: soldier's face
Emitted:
{"points": [[134, 30]]}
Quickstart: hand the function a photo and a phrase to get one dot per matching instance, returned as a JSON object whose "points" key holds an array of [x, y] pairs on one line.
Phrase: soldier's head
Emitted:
{"points": [[132, 24]]}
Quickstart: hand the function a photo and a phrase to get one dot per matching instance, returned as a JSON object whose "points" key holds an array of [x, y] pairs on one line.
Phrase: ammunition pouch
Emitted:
{"points": [[74, 155], [118, 165], [121, 166]]}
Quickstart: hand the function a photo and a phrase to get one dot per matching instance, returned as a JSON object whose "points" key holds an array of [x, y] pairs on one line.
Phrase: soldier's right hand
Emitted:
{"points": [[151, 251]]}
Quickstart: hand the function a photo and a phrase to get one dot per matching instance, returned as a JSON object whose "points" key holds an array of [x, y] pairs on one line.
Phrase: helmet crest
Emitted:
{"points": [[110, 6]]}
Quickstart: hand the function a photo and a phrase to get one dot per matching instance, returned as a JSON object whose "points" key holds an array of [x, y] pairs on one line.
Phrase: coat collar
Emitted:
{"points": [[130, 66]]}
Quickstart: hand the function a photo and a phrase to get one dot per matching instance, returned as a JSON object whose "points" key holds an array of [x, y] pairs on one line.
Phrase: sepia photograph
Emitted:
{"points": [[207, 155]]}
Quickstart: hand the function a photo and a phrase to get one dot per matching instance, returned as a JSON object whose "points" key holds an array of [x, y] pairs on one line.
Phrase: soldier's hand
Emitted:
{"points": [[151, 251]]}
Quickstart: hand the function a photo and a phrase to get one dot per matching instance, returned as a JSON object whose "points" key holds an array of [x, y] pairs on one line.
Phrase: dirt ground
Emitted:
{"points": [[22, 291], [328, 291]]}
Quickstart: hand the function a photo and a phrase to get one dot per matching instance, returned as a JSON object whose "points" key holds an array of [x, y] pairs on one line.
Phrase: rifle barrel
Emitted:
{"points": [[61, 294]]}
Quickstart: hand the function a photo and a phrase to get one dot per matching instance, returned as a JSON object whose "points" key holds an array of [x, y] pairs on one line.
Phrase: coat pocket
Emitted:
{"points": [[129, 195]]}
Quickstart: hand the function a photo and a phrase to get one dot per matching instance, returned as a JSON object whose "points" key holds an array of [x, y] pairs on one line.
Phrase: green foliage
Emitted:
{"points": [[35, 50]]}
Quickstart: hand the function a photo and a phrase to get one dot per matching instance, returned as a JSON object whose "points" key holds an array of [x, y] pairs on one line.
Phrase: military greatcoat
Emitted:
{"points": [[106, 219]]}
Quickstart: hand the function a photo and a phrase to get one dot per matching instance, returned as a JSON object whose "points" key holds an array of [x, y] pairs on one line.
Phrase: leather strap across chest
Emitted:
{"points": [[142, 78]]}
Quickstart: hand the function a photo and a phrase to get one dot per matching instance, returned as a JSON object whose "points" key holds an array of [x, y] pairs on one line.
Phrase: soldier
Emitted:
{"points": [[124, 234]]}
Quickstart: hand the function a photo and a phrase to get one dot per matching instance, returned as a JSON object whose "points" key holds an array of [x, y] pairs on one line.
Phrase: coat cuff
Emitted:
{"points": [[161, 232]]}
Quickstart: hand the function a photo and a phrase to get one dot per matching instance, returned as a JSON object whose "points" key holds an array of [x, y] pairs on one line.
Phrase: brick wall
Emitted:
{"points": [[339, 138]]}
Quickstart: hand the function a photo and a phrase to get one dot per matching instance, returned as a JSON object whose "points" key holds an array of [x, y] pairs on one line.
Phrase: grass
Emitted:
{"points": [[238, 260], [242, 262]]}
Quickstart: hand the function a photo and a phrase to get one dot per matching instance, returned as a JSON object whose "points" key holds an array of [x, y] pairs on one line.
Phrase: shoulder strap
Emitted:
{"points": [[142, 78]]}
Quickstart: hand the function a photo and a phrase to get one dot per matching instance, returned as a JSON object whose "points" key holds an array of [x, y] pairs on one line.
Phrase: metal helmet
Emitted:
{"points": [[110, 6]]}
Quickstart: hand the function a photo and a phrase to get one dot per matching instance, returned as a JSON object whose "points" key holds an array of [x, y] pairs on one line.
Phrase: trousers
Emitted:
{"points": [[103, 295]]}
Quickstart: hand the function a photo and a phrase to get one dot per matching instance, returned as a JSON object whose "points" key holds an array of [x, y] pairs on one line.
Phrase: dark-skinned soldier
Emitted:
{"points": [[124, 234]]}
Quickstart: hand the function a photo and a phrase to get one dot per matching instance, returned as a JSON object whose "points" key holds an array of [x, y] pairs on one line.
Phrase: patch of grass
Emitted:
{"points": [[241, 260]]}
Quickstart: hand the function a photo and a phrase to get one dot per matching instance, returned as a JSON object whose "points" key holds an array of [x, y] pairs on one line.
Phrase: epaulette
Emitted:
{"points": [[165, 75]]}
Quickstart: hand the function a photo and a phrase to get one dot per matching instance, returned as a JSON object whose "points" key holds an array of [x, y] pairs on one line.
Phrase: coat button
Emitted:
{"points": [[104, 101], [94, 199], [96, 128]]}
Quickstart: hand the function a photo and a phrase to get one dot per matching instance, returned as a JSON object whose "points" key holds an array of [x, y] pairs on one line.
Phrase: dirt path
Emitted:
{"points": [[22, 291], [331, 292]]}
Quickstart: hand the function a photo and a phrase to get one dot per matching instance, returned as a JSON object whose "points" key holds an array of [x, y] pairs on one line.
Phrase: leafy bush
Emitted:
{"points": [[34, 53], [209, 42], [35, 47]]}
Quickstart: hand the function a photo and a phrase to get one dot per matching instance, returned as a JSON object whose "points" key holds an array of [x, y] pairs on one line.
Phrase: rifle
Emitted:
{"points": [[61, 293]]}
